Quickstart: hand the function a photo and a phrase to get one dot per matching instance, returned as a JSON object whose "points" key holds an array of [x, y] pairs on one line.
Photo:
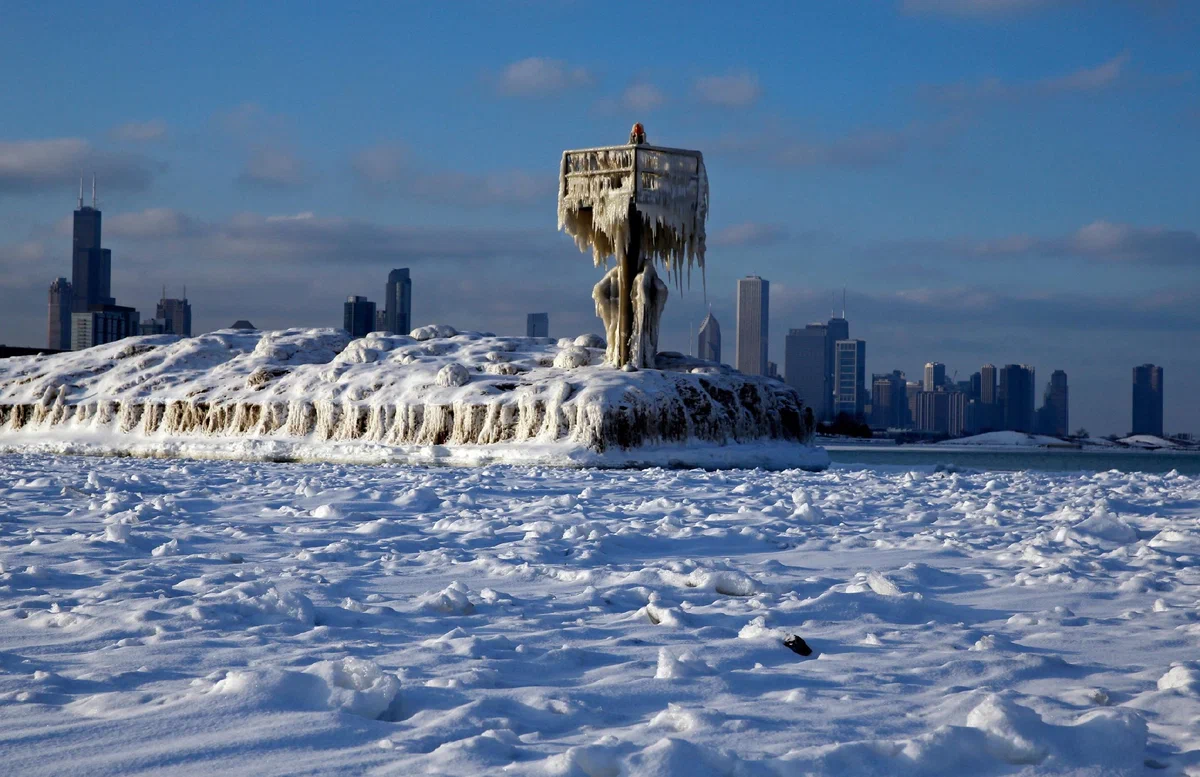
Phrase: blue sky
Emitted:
{"points": [[993, 180]]}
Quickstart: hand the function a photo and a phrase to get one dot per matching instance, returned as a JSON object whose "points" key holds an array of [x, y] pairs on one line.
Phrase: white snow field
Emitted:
{"points": [[240, 618], [437, 395]]}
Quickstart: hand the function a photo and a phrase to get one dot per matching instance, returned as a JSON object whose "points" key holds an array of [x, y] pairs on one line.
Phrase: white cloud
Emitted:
{"points": [[735, 90], [140, 131], [275, 168], [29, 165], [1089, 79], [386, 169], [541, 77], [748, 233], [642, 96]]}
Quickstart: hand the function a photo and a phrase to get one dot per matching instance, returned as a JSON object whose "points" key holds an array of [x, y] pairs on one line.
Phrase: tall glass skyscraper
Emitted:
{"points": [[1016, 397], [1148, 400], [850, 377], [708, 342], [91, 265], [753, 300], [808, 368], [58, 333], [398, 305], [358, 316]]}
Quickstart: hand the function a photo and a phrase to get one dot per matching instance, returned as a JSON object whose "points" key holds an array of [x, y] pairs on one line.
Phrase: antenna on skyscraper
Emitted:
{"points": [[843, 302], [93, 191], [81, 191]]}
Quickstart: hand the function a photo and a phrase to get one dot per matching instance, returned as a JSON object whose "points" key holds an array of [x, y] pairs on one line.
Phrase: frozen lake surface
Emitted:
{"points": [[172, 618]]}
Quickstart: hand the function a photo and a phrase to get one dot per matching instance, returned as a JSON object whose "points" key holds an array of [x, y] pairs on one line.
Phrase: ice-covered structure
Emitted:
{"points": [[436, 395], [645, 205]]}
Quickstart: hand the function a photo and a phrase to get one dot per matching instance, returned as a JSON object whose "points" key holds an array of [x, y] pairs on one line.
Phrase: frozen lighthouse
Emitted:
{"points": [[642, 205]]}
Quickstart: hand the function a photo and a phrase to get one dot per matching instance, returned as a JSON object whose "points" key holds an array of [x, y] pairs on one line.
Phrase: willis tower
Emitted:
{"points": [[91, 265]]}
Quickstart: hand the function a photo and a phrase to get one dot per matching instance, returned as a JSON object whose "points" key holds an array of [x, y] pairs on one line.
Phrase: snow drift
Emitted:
{"points": [[428, 393]]}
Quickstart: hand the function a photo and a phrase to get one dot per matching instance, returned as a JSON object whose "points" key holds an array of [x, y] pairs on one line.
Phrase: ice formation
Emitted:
{"points": [[435, 389], [642, 205], [669, 186]]}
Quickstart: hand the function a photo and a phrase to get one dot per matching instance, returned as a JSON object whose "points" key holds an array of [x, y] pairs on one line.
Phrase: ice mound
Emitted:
{"points": [[437, 395], [352, 685]]}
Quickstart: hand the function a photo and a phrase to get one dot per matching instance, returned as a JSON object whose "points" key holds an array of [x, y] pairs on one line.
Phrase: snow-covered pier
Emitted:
{"points": [[436, 395]]}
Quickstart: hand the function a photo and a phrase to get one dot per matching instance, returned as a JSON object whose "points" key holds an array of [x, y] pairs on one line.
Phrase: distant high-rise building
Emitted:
{"points": [[975, 393], [889, 401], [808, 368], [708, 342], [912, 390], [987, 384], [941, 412], [537, 325], [91, 265], [152, 326], [935, 376], [58, 335], [1052, 417], [773, 370], [358, 316], [1148, 400], [102, 324], [381, 324], [398, 305], [1016, 397], [176, 315], [753, 299], [850, 394]]}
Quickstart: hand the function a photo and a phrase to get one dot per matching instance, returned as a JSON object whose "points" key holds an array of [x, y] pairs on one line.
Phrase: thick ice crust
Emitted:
{"points": [[436, 396]]}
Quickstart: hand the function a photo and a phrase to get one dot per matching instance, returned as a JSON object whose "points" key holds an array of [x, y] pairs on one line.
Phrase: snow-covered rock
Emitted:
{"points": [[438, 394]]}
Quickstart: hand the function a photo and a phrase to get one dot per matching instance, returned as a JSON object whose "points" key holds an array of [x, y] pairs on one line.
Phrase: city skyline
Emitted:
{"points": [[813, 359], [1007, 184]]}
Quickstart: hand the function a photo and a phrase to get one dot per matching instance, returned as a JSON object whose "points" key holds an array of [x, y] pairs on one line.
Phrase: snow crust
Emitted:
{"points": [[1005, 439], [180, 618], [436, 396]]}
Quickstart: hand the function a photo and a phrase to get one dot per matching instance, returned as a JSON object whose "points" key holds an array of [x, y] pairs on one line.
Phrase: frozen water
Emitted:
{"points": [[183, 617]]}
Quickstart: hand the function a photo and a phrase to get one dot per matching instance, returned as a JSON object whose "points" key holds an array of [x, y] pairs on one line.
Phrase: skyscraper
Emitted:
{"points": [[808, 368], [987, 384], [935, 376], [976, 392], [91, 265], [358, 316], [1052, 417], [398, 305], [176, 315], [941, 412], [537, 325], [1016, 397], [753, 299], [1148, 400], [58, 334], [850, 393], [708, 342], [889, 401]]}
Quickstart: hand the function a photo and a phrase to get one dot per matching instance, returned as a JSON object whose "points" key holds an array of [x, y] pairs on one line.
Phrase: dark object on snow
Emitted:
{"points": [[797, 645]]}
